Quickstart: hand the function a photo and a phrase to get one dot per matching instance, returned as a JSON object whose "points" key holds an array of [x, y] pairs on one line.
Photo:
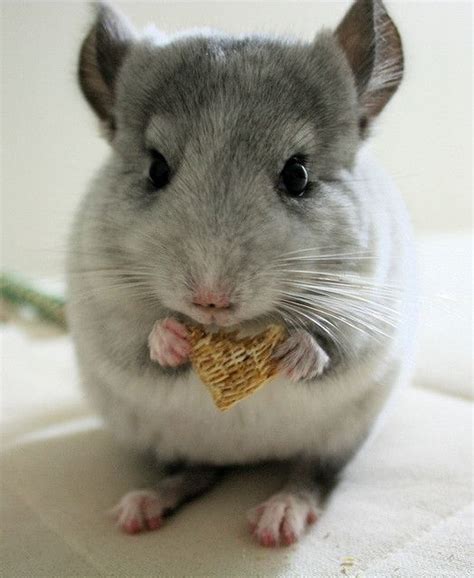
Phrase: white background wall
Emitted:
{"points": [[50, 145]]}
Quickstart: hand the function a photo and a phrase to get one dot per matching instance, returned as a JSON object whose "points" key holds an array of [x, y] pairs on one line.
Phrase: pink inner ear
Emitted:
{"points": [[356, 36], [102, 54], [373, 48]]}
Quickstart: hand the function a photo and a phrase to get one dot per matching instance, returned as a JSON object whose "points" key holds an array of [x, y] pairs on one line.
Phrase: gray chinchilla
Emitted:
{"points": [[239, 192]]}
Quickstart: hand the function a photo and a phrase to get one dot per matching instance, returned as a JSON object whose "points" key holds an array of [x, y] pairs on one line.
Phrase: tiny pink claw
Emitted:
{"points": [[311, 518], [175, 361], [267, 539], [173, 354], [181, 349], [170, 357], [132, 526], [175, 327], [289, 537]]}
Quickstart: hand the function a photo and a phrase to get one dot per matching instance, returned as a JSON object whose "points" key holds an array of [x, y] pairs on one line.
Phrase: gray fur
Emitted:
{"points": [[227, 113]]}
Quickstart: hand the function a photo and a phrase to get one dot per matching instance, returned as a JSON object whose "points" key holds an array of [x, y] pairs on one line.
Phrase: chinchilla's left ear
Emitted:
{"points": [[372, 45], [101, 57]]}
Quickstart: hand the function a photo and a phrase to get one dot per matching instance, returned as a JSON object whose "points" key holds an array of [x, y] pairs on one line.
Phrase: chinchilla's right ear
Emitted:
{"points": [[373, 48], [101, 57]]}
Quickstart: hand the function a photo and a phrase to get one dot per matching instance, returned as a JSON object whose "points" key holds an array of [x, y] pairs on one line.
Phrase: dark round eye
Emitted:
{"points": [[159, 172], [294, 177]]}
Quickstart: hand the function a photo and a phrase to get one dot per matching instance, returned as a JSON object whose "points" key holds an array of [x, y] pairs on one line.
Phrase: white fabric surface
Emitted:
{"points": [[404, 507]]}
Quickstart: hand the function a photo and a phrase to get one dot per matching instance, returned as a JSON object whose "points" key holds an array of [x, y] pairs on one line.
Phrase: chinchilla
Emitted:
{"points": [[240, 191]]}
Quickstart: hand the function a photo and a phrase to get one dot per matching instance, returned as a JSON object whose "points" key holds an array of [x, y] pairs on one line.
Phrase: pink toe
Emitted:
{"points": [[288, 535], [181, 350], [175, 327], [178, 353], [267, 539], [311, 518], [289, 538], [173, 357], [132, 526]]}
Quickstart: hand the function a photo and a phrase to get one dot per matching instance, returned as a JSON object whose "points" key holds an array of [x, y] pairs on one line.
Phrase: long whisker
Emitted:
{"points": [[140, 289], [321, 289], [318, 250], [146, 271], [367, 312], [343, 289], [333, 257], [343, 319], [366, 308], [294, 323], [289, 305], [340, 277], [319, 322], [337, 305], [358, 312]]}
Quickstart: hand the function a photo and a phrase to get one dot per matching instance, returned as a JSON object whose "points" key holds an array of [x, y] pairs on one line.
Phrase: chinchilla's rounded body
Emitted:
{"points": [[170, 411], [239, 192]]}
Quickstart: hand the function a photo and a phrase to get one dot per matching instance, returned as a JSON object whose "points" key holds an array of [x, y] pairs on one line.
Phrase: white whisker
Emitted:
{"points": [[344, 316], [318, 250], [323, 290], [343, 278], [346, 321], [319, 322], [336, 256]]}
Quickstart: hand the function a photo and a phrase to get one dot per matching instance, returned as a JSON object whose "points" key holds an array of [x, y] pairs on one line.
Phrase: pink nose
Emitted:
{"points": [[211, 299]]}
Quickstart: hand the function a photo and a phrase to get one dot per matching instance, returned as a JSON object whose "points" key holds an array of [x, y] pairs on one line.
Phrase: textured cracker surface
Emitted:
{"points": [[233, 368]]}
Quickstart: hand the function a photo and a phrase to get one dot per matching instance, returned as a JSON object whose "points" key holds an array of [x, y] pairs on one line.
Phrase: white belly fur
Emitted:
{"points": [[283, 419]]}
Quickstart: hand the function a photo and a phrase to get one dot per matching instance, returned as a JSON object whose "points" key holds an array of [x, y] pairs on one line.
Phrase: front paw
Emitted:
{"points": [[169, 343], [301, 357]]}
